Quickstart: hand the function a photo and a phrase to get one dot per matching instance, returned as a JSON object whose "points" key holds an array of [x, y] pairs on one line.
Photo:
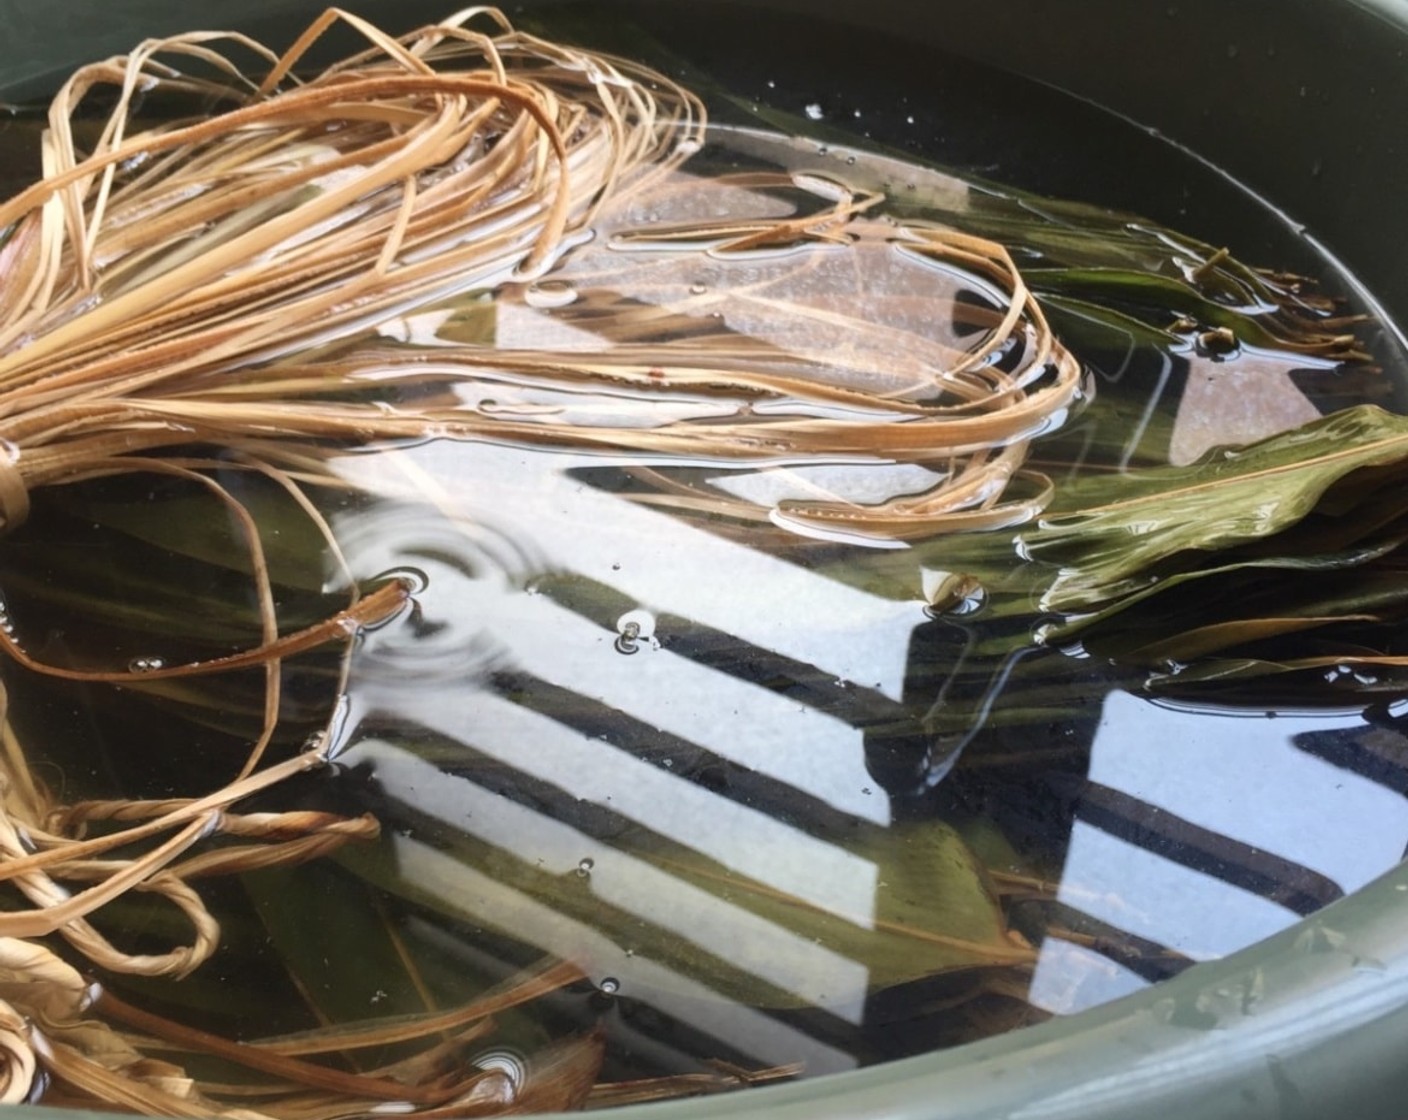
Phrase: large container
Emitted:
{"points": [[1303, 101]]}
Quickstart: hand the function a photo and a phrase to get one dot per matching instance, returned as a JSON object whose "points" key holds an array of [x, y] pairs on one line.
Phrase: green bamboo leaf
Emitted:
{"points": [[1085, 323], [1196, 581], [194, 527], [1204, 640], [1107, 535], [347, 964], [1159, 297], [936, 913]]}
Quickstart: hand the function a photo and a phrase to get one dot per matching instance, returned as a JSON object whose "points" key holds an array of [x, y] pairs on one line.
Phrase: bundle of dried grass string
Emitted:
{"points": [[166, 288]]}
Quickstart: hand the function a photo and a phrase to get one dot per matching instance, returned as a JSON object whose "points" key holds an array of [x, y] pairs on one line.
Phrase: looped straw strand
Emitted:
{"points": [[18, 1063], [14, 494]]}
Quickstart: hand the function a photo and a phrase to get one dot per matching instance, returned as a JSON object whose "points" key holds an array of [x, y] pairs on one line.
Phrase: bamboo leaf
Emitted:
{"points": [[937, 913], [1109, 534], [185, 526], [350, 929], [1203, 640]]}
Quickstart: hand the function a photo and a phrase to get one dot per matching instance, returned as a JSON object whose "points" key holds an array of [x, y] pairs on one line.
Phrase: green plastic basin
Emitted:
{"points": [[1305, 102]]}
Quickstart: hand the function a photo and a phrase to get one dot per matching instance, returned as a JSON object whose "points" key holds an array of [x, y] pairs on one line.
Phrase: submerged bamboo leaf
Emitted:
{"points": [[1109, 537], [938, 914]]}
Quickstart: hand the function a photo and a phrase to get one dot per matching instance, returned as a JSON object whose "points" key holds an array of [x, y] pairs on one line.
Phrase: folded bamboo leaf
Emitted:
{"points": [[1108, 535], [937, 912], [1162, 297], [117, 582], [241, 1008], [1084, 323], [1091, 250], [1257, 572]]}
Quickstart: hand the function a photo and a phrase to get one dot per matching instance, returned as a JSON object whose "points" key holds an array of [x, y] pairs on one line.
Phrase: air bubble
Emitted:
{"points": [[814, 112], [145, 664], [584, 866], [512, 1065], [547, 294], [1338, 673], [629, 640], [698, 289], [952, 593], [609, 985], [635, 628]]}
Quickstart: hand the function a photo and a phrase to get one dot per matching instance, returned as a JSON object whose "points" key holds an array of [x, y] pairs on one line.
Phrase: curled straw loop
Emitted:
{"points": [[17, 1058]]}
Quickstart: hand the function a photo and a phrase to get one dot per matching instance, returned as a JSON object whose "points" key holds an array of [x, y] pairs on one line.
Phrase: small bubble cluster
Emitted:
{"points": [[146, 664]]}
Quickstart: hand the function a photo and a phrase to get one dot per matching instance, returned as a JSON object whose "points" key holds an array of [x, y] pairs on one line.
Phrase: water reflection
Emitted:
{"points": [[1208, 831], [705, 825], [610, 556], [708, 771]]}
